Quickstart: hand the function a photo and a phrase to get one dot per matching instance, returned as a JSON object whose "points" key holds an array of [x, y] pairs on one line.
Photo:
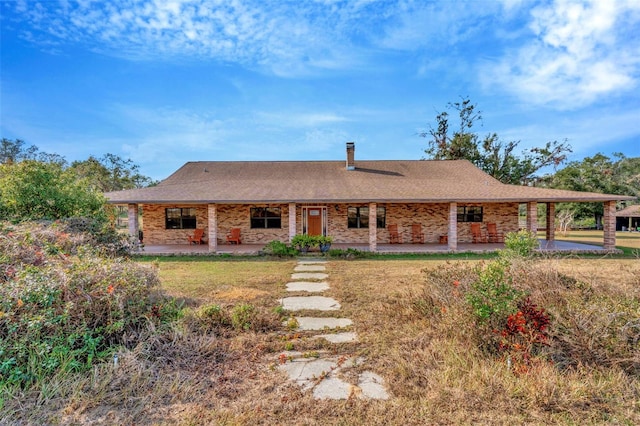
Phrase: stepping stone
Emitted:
{"points": [[311, 262], [310, 268], [311, 287], [332, 388], [309, 276], [306, 371], [311, 323], [318, 303], [372, 386], [338, 337]]}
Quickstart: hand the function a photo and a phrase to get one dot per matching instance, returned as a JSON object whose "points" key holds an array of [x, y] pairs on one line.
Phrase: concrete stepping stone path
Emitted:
{"points": [[315, 324], [308, 286], [339, 337], [316, 303], [309, 276], [321, 373], [310, 268]]}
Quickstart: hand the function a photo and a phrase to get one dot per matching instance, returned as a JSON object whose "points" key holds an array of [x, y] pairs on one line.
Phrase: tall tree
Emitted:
{"points": [[490, 154], [111, 173], [33, 190], [600, 173]]}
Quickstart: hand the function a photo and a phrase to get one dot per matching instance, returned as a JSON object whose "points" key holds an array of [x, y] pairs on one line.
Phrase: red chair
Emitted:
{"points": [[394, 236], [417, 237], [477, 235], [494, 235], [197, 237], [234, 236]]}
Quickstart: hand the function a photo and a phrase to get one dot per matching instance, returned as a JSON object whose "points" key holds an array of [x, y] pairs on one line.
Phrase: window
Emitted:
{"points": [[265, 217], [177, 218], [358, 217], [470, 214]]}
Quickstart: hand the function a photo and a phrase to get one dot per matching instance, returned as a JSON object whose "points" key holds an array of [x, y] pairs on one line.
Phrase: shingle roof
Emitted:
{"points": [[329, 181], [631, 211]]}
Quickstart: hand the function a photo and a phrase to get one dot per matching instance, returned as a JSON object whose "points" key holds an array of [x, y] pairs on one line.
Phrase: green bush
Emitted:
{"points": [[519, 244], [492, 296], [278, 248]]}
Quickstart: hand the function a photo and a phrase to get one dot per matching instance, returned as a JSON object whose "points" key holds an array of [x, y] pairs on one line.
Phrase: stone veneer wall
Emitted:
{"points": [[432, 217], [229, 216]]}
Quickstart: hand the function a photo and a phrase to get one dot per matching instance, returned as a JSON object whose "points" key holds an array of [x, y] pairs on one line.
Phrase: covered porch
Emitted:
{"points": [[254, 249], [452, 237]]}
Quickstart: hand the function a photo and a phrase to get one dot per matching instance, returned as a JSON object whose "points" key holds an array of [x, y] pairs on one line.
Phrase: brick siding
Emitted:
{"points": [[432, 217]]}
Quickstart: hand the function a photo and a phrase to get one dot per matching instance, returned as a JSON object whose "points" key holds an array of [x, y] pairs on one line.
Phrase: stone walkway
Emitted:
{"points": [[325, 375]]}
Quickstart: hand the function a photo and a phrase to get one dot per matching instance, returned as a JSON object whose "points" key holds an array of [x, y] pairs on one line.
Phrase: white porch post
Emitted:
{"points": [[609, 225], [373, 227], [132, 218], [551, 221], [292, 221], [532, 217], [452, 233], [212, 225]]}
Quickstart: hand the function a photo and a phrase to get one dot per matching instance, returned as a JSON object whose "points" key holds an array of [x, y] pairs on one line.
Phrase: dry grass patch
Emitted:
{"points": [[204, 282], [415, 329]]}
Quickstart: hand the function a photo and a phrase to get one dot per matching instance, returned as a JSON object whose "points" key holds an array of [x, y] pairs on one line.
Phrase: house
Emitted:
{"points": [[352, 201], [628, 219]]}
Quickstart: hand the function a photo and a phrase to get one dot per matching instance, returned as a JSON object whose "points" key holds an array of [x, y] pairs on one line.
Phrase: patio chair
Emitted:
{"points": [[493, 234], [197, 237], [234, 236], [417, 237], [477, 235], [394, 236]]}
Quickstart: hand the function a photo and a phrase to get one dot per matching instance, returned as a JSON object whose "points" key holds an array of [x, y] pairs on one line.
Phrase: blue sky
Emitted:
{"points": [[165, 82]]}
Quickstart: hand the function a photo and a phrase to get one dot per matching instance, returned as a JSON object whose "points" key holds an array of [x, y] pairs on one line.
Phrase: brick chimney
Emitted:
{"points": [[351, 153]]}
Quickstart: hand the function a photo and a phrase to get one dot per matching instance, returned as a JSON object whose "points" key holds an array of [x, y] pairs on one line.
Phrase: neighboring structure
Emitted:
{"points": [[628, 219], [277, 200]]}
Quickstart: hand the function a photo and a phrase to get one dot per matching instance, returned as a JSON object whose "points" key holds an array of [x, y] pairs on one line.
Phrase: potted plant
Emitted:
{"points": [[302, 242], [324, 242]]}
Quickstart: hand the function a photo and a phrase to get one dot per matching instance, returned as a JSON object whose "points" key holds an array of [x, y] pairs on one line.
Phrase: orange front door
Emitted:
{"points": [[314, 221]]}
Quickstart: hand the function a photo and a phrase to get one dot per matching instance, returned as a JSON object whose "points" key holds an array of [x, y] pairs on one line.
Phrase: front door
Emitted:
{"points": [[314, 221]]}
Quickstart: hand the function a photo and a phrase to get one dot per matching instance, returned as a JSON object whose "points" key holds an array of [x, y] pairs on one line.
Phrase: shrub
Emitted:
{"points": [[492, 296], [63, 307], [278, 248], [519, 244]]}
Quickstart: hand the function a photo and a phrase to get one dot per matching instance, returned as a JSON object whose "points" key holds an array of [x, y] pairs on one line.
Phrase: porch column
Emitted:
{"points": [[532, 217], [132, 218], [609, 225], [292, 221], [212, 225], [373, 227], [452, 233], [551, 221]]}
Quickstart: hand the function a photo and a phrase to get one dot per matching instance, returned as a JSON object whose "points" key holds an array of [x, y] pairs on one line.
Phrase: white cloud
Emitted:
{"points": [[574, 59], [286, 38]]}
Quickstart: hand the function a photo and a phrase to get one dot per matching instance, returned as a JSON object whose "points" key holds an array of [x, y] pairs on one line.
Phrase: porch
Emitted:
{"points": [[254, 249]]}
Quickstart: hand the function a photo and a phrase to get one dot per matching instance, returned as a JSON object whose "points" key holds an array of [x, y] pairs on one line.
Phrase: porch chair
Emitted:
{"points": [[197, 237], [234, 236], [477, 235], [494, 235], [417, 237], [394, 236]]}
